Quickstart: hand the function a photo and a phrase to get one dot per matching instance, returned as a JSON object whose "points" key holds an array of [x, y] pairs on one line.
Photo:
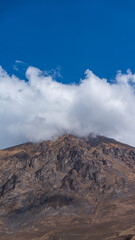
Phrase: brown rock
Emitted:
{"points": [[87, 181]]}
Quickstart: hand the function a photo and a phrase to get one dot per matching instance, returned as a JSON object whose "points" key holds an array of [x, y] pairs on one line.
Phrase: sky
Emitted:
{"points": [[72, 35], [66, 66]]}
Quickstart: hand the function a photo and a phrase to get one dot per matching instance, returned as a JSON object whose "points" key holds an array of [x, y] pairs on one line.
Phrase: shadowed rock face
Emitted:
{"points": [[84, 181]]}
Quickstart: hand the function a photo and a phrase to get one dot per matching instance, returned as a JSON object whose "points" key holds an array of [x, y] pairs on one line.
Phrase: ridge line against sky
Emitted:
{"points": [[42, 108]]}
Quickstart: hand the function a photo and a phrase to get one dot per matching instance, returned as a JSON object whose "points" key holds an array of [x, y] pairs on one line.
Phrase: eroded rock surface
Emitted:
{"points": [[73, 178]]}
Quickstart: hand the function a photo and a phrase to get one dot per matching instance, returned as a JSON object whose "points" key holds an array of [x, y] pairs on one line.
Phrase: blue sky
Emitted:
{"points": [[43, 40], [70, 35]]}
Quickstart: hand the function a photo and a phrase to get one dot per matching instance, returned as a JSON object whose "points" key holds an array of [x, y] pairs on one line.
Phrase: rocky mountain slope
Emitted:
{"points": [[71, 188]]}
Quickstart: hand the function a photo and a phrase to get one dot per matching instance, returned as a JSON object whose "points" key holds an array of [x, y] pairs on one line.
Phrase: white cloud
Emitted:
{"points": [[15, 66], [43, 108]]}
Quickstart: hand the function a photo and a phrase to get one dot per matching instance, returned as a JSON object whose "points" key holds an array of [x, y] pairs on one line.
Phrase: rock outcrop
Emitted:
{"points": [[81, 181]]}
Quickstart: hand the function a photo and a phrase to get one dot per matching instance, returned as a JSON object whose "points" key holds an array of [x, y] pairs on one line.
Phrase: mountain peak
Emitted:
{"points": [[91, 178]]}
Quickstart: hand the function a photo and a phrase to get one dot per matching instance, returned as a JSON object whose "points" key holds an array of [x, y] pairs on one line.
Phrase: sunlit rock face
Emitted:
{"points": [[57, 189]]}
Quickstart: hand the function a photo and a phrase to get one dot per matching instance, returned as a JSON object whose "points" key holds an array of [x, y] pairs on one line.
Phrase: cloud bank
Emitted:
{"points": [[42, 108]]}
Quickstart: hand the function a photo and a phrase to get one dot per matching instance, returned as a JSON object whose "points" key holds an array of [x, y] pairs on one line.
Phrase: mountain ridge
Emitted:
{"points": [[81, 180], [90, 136]]}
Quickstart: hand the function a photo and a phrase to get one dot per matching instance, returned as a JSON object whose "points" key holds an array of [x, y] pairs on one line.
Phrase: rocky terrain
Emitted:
{"points": [[70, 188]]}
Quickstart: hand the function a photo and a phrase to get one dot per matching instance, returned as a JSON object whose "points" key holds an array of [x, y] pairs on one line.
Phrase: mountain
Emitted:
{"points": [[70, 188]]}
